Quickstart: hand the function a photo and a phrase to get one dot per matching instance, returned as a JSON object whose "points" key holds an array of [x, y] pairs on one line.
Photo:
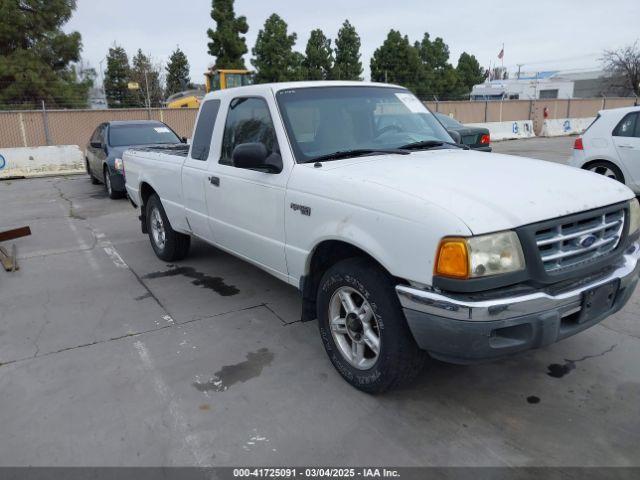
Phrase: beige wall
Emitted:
{"points": [[508, 110], [74, 127]]}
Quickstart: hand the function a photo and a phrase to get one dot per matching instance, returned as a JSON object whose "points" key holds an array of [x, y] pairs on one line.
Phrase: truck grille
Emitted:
{"points": [[571, 243]]}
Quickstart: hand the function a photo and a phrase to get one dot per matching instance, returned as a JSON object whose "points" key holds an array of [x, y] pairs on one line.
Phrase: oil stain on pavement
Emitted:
{"points": [[557, 370], [239, 373], [200, 279]]}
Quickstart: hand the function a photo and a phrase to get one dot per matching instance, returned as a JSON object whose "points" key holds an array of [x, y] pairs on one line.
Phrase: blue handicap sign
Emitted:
{"points": [[566, 126], [515, 127], [3, 162]]}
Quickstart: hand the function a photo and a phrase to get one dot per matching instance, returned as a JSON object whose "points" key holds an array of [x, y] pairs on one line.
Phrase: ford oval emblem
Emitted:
{"points": [[587, 240]]}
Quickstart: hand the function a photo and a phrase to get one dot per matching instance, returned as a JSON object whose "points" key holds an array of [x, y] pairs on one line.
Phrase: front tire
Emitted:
{"points": [[363, 328], [111, 193], [168, 244]]}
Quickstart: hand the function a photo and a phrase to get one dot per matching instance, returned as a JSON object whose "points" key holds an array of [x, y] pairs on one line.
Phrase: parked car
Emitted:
{"points": [[103, 155], [477, 138], [611, 146], [401, 241]]}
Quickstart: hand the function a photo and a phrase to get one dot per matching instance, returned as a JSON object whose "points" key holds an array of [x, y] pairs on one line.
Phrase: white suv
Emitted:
{"points": [[611, 146]]}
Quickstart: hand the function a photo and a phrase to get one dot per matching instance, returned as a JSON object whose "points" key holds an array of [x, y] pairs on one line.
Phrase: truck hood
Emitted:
{"points": [[487, 191]]}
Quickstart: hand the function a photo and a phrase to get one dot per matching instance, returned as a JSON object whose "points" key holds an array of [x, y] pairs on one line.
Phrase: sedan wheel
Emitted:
{"points": [[606, 169]]}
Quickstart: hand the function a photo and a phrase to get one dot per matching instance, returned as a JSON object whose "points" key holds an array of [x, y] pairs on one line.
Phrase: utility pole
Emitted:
{"points": [[520, 65], [146, 81]]}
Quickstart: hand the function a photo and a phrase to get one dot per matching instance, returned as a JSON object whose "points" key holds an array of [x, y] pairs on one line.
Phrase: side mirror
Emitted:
{"points": [[251, 156], [97, 145], [184, 140], [457, 138]]}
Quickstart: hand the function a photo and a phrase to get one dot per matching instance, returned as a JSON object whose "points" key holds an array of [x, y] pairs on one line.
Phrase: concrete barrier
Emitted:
{"points": [[507, 130], [565, 126], [39, 161]]}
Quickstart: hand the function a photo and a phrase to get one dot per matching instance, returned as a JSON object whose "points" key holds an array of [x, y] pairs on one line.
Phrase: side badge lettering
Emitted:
{"points": [[302, 209]]}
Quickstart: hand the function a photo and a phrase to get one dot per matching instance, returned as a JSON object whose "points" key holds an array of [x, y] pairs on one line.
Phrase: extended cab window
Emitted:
{"points": [[627, 126], [249, 121], [204, 130]]}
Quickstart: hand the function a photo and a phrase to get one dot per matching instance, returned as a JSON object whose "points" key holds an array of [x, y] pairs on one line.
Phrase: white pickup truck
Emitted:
{"points": [[402, 242]]}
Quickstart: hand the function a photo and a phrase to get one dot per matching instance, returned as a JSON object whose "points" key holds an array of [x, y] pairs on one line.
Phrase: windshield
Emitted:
{"points": [[141, 134], [324, 120]]}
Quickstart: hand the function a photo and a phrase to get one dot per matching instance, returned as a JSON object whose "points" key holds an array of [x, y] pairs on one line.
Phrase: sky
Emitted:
{"points": [[541, 34]]}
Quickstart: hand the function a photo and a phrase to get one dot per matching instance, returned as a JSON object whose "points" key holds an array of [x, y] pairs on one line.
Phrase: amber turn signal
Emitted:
{"points": [[453, 258]]}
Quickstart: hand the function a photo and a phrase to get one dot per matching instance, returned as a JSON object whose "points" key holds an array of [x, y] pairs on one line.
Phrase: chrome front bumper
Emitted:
{"points": [[457, 330], [509, 307]]}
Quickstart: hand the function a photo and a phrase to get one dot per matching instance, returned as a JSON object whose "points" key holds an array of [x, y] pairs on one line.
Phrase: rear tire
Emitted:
{"points": [[608, 169], [398, 359], [168, 244]]}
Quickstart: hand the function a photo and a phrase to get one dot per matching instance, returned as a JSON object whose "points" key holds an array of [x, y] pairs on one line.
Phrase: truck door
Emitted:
{"points": [[247, 206], [195, 171], [626, 137]]}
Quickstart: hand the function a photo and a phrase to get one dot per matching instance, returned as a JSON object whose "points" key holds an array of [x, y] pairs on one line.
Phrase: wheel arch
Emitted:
{"points": [[323, 256], [623, 172]]}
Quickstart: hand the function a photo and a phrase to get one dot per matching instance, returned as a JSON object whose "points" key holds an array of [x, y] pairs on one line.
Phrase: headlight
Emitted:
{"points": [[480, 256], [118, 164], [634, 216]]}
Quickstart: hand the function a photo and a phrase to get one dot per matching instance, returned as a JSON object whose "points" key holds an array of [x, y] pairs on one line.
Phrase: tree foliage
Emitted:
{"points": [[624, 66], [116, 79], [469, 71], [396, 61], [148, 77], [177, 73], [347, 63], [37, 58], [274, 58], [227, 43], [318, 61]]}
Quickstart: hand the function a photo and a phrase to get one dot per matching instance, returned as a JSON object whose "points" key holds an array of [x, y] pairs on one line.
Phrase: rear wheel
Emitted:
{"points": [[606, 169], [168, 244], [363, 328]]}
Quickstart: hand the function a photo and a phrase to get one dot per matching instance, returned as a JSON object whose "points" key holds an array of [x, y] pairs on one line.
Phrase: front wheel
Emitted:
{"points": [[363, 328], [108, 187], [168, 244]]}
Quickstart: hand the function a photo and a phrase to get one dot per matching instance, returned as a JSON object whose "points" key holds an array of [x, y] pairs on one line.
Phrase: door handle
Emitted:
{"points": [[625, 146], [215, 181]]}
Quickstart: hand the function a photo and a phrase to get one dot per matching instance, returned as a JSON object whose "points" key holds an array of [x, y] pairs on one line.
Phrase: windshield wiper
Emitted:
{"points": [[357, 152], [427, 144]]}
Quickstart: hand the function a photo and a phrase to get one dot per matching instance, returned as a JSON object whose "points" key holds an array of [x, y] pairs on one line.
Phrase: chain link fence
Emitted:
{"points": [[35, 128]]}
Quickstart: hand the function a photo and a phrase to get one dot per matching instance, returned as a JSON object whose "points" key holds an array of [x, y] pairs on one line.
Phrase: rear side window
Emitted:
{"points": [[204, 130], [627, 126]]}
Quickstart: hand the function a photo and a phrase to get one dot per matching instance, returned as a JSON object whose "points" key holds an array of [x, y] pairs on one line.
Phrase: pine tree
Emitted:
{"points": [[274, 59], [318, 61], [117, 77], [147, 76], [469, 71], [177, 73], [347, 65], [396, 61], [227, 44], [438, 78], [36, 56]]}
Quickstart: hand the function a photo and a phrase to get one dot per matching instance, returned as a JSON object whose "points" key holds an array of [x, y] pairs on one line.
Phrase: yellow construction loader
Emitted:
{"points": [[215, 79]]}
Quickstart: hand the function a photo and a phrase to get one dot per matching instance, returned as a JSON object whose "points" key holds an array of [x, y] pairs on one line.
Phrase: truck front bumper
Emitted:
{"points": [[456, 330]]}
